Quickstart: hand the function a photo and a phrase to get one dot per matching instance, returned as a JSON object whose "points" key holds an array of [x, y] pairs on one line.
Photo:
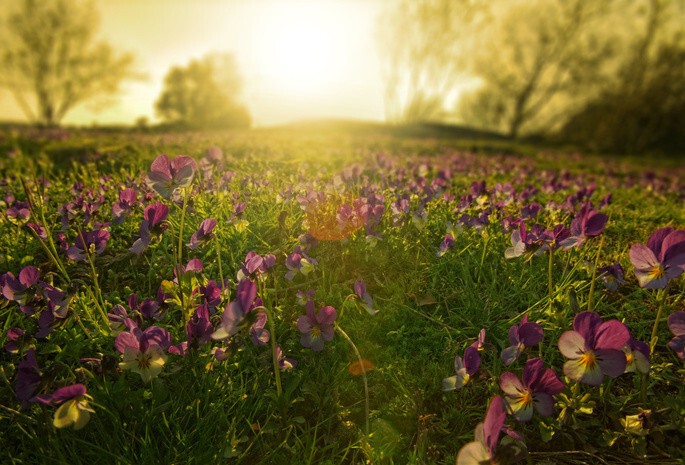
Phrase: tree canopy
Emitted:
{"points": [[51, 61], [204, 94]]}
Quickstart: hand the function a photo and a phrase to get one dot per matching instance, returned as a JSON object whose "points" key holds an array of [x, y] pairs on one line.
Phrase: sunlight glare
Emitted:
{"points": [[302, 47]]}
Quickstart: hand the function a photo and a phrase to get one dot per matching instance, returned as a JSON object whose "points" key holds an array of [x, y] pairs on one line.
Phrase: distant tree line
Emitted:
{"points": [[607, 74], [51, 61]]}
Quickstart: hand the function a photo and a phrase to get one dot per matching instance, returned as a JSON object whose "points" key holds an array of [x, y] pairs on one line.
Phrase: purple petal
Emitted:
{"points": [[676, 323], [612, 362], [29, 276], [673, 248], [510, 354], [471, 360], [493, 423], [124, 340], [514, 335], [585, 324], [327, 315], [656, 240], [530, 334], [510, 384], [304, 324], [544, 404], [642, 257], [611, 335], [161, 165], [677, 345]]}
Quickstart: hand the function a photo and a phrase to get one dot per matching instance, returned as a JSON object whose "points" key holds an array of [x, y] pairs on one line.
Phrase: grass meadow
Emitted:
{"points": [[332, 311]]}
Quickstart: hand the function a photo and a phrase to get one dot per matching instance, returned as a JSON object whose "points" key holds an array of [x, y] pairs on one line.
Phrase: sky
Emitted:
{"points": [[299, 59]]}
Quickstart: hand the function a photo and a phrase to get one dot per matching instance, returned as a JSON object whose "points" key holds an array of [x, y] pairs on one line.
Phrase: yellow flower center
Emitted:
{"points": [[629, 358], [588, 359], [316, 331], [657, 271], [144, 361], [526, 398]]}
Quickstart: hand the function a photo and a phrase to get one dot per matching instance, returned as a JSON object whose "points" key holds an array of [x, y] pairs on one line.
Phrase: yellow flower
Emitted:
{"points": [[74, 411]]}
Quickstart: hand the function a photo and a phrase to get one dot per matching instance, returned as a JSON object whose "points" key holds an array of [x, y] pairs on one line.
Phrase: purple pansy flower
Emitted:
{"points": [[360, 291], [154, 216], [143, 351], [316, 327], [27, 379], [538, 386], [91, 242], [127, 199], [662, 259], [236, 310], [612, 276], [284, 363], [255, 263], [676, 323], [465, 368], [594, 348], [203, 234], [17, 289], [259, 335], [484, 448], [166, 175], [74, 409], [587, 223], [298, 262], [521, 336]]}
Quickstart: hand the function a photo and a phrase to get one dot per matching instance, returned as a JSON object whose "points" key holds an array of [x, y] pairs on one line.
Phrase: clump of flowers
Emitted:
{"points": [[535, 390], [662, 259], [594, 348], [316, 327]]}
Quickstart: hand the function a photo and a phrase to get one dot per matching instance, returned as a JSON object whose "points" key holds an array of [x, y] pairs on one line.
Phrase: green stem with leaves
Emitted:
{"points": [[274, 351], [361, 364]]}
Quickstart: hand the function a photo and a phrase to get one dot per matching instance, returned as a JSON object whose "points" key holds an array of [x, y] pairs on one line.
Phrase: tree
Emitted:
{"points": [[536, 62], [50, 61], [204, 94], [422, 44]]}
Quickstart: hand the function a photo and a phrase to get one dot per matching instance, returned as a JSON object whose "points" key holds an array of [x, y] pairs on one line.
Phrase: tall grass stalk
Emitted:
{"points": [[366, 384], [594, 276]]}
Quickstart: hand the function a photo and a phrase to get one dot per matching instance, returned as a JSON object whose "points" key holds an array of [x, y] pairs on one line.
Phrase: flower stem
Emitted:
{"points": [[274, 355], [180, 228], [482, 257], [361, 364], [594, 276], [550, 284], [218, 256], [655, 328]]}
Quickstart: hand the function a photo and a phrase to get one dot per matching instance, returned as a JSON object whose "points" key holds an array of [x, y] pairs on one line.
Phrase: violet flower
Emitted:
{"points": [[594, 348], [465, 368], [27, 379], [237, 310], [521, 336], [587, 223], [17, 289], [360, 291], [203, 234], [74, 409], [284, 363], [90, 242], [143, 351], [662, 259], [484, 448], [316, 327], [153, 223], [255, 263], [612, 276], [676, 323], [166, 175], [538, 386], [127, 199], [298, 262]]}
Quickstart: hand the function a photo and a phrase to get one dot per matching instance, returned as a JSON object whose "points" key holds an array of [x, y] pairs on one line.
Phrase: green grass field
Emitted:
{"points": [[362, 205]]}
